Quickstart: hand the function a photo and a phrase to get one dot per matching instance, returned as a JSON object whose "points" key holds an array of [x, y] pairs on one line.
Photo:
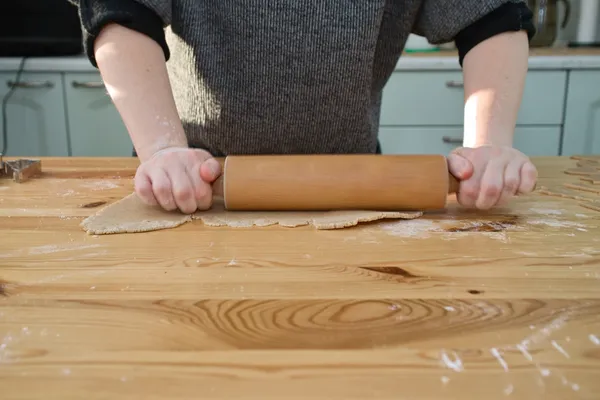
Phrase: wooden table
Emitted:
{"points": [[459, 305]]}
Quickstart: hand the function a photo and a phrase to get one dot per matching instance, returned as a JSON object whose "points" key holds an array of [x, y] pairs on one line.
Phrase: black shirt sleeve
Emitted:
{"points": [[96, 14], [506, 18]]}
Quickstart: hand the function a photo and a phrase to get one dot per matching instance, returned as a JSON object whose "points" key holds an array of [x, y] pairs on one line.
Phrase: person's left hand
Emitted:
{"points": [[490, 176]]}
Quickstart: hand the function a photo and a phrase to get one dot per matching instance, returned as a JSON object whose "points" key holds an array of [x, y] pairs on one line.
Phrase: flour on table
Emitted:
{"points": [[131, 215]]}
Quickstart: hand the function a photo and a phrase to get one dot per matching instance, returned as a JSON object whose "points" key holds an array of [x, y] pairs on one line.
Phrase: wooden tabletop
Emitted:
{"points": [[457, 305]]}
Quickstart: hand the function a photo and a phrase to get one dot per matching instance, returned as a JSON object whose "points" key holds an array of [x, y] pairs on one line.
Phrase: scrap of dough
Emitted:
{"points": [[593, 179], [589, 163], [585, 188], [594, 205], [587, 170], [586, 157], [131, 215], [560, 192]]}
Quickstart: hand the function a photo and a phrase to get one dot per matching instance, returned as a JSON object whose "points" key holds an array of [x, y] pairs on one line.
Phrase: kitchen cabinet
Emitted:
{"points": [[582, 122], [61, 108], [423, 112], [532, 141], [437, 98], [95, 126], [35, 113]]}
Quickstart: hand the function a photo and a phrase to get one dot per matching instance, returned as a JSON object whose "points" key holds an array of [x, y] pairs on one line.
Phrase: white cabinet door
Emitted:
{"points": [[533, 141], [95, 126], [35, 115], [582, 122]]}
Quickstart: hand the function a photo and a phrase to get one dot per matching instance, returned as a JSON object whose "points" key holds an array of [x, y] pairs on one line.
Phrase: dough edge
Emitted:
{"points": [[130, 215]]}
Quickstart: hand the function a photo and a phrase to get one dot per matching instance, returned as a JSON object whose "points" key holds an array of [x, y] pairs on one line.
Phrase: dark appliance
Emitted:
{"points": [[38, 28]]}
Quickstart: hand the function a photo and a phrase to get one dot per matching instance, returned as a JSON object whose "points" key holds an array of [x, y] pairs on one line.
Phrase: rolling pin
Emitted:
{"points": [[335, 182]]}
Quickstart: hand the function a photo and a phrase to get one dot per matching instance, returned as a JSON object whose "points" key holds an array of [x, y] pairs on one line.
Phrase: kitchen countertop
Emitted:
{"points": [[468, 305], [443, 60]]}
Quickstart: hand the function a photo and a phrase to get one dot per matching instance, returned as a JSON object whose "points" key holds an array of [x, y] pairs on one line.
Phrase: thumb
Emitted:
{"points": [[210, 170], [460, 166]]}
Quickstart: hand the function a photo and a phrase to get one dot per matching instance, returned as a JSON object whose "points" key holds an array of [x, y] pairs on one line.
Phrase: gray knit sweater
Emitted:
{"points": [[289, 76]]}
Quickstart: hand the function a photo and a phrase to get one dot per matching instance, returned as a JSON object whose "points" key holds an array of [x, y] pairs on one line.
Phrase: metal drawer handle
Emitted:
{"points": [[88, 85], [30, 85], [454, 84], [448, 139]]}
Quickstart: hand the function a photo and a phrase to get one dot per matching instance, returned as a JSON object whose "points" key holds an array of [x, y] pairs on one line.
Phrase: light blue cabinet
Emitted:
{"points": [[423, 112], [95, 126], [582, 122], [63, 112], [36, 125], [532, 141], [437, 98]]}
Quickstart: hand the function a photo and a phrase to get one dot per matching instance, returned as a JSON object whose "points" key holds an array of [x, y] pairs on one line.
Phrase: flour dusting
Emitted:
{"points": [[66, 193], [555, 223], [454, 363], [546, 211], [411, 228], [424, 228], [48, 249], [99, 185]]}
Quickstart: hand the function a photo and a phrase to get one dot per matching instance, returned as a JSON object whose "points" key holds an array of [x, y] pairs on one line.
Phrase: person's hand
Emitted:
{"points": [[178, 178], [491, 175]]}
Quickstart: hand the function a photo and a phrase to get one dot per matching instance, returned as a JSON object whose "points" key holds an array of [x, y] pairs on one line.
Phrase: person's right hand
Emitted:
{"points": [[178, 178]]}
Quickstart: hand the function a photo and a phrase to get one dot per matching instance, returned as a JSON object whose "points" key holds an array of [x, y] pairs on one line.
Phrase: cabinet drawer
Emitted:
{"points": [[95, 126], [35, 115], [533, 141], [437, 98], [582, 122]]}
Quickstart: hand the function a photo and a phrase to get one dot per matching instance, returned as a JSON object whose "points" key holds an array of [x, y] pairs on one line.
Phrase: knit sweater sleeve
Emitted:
{"points": [[469, 22], [148, 17]]}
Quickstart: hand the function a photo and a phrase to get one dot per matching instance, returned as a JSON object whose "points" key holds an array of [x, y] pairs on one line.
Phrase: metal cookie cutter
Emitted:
{"points": [[19, 170]]}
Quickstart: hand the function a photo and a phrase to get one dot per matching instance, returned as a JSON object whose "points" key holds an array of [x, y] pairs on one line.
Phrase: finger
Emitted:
{"points": [[161, 187], [512, 180], [468, 191], [202, 190], [529, 176], [210, 170], [143, 188], [182, 188], [492, 182], [459, 166]]}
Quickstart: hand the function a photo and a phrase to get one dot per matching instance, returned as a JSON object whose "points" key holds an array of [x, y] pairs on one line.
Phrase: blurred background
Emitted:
{"points": [[54, 102]]}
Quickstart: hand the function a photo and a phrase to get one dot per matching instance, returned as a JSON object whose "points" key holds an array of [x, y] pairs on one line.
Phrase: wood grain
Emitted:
{"points": [[458, 304]]}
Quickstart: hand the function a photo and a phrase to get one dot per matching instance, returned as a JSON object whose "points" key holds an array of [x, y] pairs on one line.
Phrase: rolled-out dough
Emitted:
{"points": [[130, 215]]}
